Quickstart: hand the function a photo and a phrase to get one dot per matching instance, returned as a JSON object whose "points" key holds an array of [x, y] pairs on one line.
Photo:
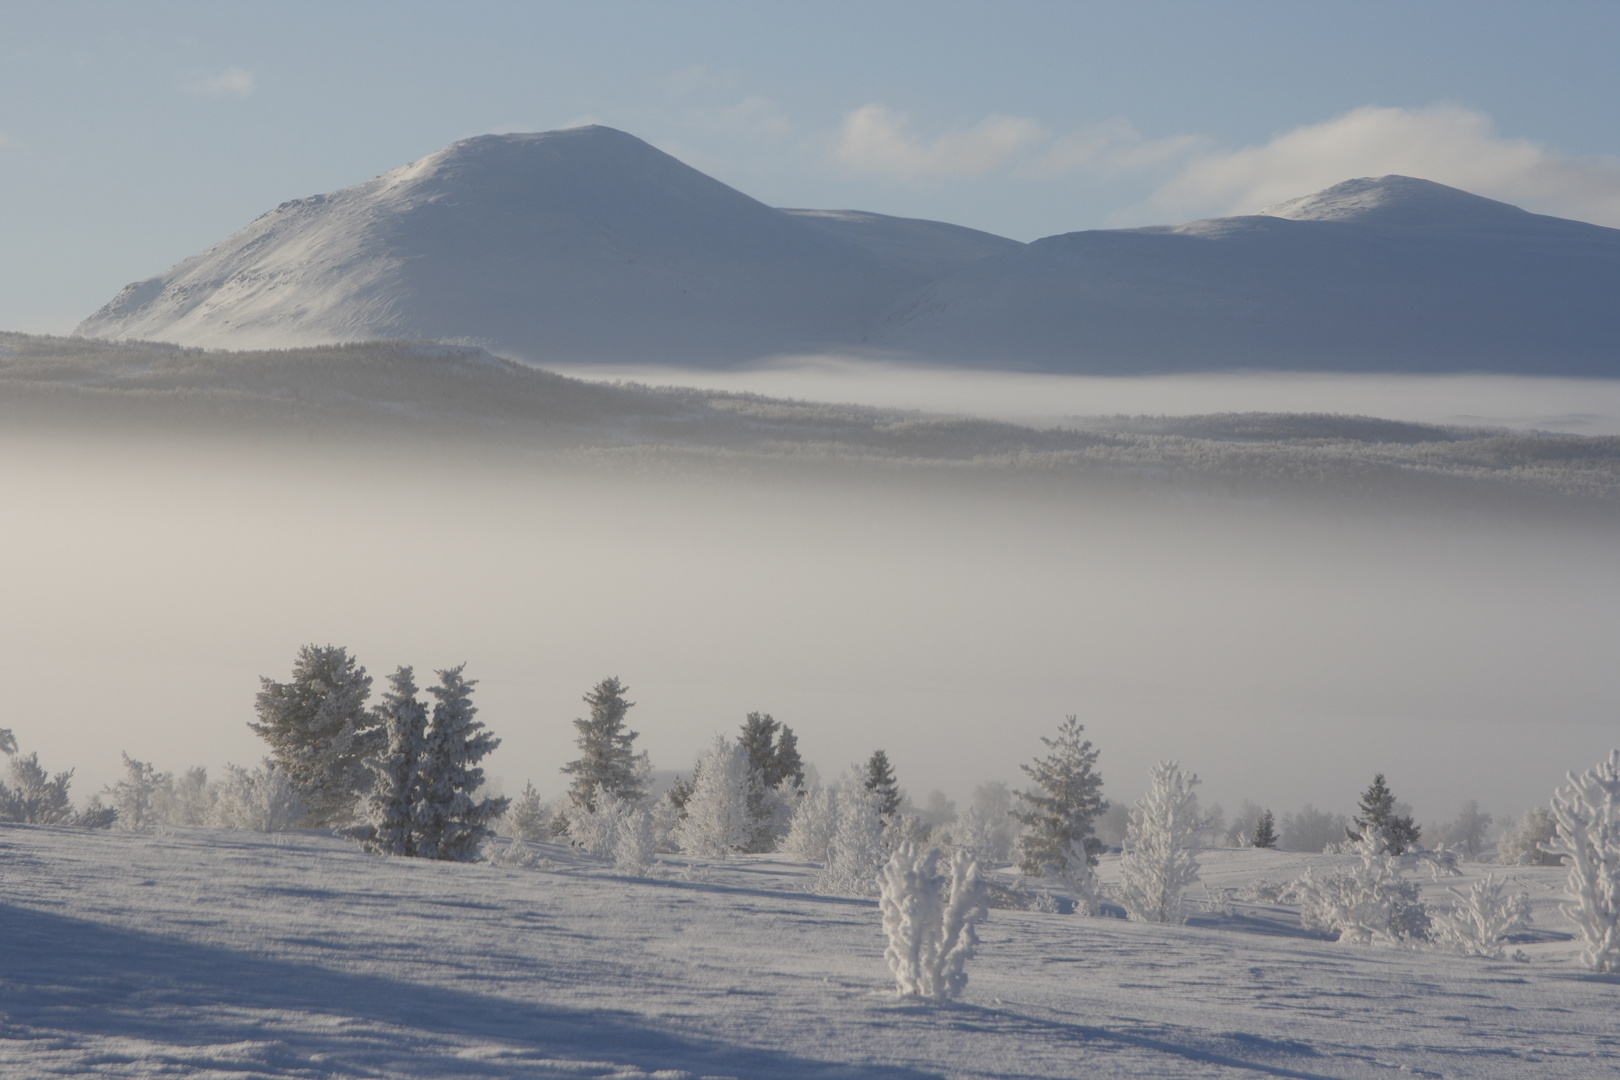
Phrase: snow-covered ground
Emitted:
{"points": [[205, 953]]}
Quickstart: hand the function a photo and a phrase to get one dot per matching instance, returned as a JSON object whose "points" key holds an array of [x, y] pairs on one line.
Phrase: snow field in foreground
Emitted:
{"points": [[204, 953]]}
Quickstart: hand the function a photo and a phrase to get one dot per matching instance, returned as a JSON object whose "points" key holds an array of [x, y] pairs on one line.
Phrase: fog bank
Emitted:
{"points": [[1284, 654]]}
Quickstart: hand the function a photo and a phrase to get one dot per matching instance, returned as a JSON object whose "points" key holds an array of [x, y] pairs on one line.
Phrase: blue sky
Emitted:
{"points": [[132, 135]]}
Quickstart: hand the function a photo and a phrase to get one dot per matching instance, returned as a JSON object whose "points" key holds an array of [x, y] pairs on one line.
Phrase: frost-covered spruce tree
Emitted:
{"points": [[320, 732], [1478, 922], [447, 821], [530, 817], [855, 853], [929, 920], [717, 822], [776, 775], [389, 810], [1588, 839], [1066, 799], [607, 760], [815, 820], [1161, 852], [1380, 816]]}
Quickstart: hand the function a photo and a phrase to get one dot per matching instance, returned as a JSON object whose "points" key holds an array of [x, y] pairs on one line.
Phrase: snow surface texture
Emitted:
{"points": [[589, 246], [199, 953]]}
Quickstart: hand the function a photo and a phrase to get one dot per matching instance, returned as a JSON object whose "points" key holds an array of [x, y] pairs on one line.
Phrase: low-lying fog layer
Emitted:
{"points": [[1572, 406], [1283, 653]]}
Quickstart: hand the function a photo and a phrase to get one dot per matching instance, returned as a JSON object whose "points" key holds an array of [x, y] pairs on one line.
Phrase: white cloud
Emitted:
{"points": [[874, 140], [233, 82], [1444, 143]]}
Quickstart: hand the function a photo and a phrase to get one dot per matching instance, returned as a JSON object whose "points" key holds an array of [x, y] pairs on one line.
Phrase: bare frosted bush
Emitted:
{"points": [[141, 796], [256, 800], [929, 919], [1588, 840], [1368, 903], [1480, 921], [1524, 842]]}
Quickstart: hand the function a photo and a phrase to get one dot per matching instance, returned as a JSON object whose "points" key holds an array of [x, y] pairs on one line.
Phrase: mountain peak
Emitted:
{"points": [[1394, 200]]}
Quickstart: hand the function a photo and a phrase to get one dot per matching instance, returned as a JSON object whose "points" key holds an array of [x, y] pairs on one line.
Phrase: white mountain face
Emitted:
{"points": [[589, 246], [578, 245], [1388, 274]]}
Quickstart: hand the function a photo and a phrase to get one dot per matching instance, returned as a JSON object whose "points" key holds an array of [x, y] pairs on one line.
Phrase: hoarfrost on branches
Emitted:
{"points": [[1368, 903], [320, 732], [1480, 921], [1161, 856], [139, 796], [929, 919], [256, 800], [815, 821], [1587, 809], [855, 853], [718, 822]]}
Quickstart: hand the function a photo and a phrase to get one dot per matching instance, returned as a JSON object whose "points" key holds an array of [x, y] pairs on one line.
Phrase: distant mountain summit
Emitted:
{"points": [[1386, 274], [586, 244], [590, 246]]}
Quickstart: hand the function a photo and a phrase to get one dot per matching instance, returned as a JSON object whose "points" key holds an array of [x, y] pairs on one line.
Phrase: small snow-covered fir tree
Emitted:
{"points": [[1265, 831], [263, 799], [855, 853], [718, 822], [448, 823], [1161, 854], [320, 732], [34, 797], [776, 775], [1379, 815], [880, 782], [1479, 921], [137, 796], [530, 817], [815, 820], [638, 838], [1587, 808], [929, 919], [607, 760], [1066, 799], [389, 810]]}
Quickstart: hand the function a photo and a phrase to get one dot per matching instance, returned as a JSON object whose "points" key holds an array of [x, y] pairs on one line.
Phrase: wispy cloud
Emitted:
{"points": [[232, 82], [1444, 143], [875, 140], [1111, 148]]}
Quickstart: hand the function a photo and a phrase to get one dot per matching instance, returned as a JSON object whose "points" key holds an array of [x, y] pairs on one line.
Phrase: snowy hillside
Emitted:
{"points": [[1392, 274], [200, 953], [585, 244]]}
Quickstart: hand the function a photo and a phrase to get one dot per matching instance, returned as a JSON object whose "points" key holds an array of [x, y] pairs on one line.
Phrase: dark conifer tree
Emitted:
{"points": [[1378, 814], [606, 761], [1066, 799], [880, 781], [1265, 831]]}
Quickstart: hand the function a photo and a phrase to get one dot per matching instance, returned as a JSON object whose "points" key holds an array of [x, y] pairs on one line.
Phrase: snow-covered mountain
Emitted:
{"points": [[578, 245], [590, 246], [1387, 274]]}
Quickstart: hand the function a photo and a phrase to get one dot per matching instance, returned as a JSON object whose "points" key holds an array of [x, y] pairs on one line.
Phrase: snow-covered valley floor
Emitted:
{"points": [[208, 953]]}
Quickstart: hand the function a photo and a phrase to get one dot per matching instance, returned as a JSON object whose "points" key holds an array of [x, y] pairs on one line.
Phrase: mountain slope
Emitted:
{"points": [[1392, 274], [578, 245]]}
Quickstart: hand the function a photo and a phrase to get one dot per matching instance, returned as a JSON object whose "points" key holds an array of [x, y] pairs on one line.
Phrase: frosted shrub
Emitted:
{"points": [[190, 799], [594, 827], [1480, 921], [1161, 857], [815, 820], [1075, 874], [1368, 903], [637, 840], [140, 796], [1588, 839], [929, 920], [257, 800], [530, 818], [718, 821], [1524, 842], [33, 797], [855, 853]]}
